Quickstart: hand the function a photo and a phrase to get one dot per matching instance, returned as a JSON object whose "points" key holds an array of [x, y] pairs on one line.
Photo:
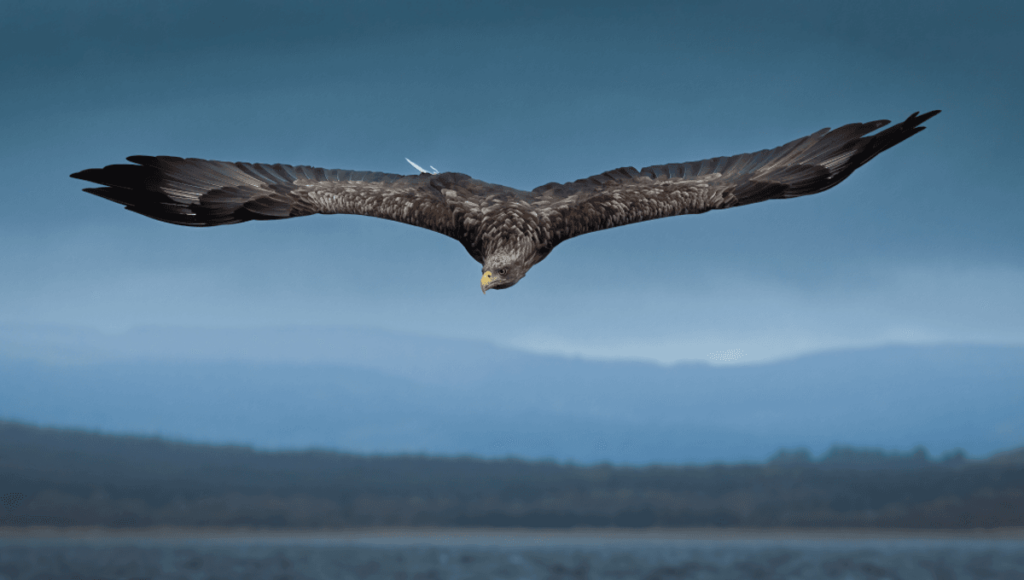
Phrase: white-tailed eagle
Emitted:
{"points": [[507, 230]]}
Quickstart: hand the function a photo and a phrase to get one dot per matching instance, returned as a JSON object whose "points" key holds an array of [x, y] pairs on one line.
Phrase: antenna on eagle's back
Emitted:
{"points": [[420, 169]]}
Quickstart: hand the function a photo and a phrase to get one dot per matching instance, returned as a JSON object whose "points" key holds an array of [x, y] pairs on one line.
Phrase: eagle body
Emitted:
{"points": [[508, 231]]}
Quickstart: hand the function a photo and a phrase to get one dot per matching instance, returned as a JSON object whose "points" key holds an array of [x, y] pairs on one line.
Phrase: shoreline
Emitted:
{"points": [[507, 536]]}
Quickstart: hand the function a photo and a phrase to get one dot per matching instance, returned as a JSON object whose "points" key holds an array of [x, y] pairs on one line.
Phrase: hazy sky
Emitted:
{"points": [[924, 244]]}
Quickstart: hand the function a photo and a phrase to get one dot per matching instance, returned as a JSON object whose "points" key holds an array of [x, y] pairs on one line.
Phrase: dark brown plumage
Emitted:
{"points": [[507, 230]]}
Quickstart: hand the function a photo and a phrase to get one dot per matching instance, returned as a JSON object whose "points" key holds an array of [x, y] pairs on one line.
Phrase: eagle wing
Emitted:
{"points": [[198, 192], [802, 167]]}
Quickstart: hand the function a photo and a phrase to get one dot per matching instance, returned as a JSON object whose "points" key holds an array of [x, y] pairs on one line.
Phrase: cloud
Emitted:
{"points": [[611, 307], [770, 319]]}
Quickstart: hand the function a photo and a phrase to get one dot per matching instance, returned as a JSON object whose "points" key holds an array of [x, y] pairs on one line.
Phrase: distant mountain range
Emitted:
{"points": [[370, 391]]}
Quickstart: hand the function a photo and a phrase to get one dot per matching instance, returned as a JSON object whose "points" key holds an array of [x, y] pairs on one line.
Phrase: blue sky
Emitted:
{"points": [[923, 245]]}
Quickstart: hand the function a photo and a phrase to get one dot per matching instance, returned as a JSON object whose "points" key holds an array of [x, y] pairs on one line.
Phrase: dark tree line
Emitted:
{"points": [[64, 477]]}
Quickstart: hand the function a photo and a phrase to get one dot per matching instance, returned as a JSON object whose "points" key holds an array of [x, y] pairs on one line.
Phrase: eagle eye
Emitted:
{"points": [[503, 271]]}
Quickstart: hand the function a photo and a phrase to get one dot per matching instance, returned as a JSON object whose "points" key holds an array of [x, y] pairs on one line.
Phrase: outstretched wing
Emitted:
{"points": [[197, 192], [802, 167]]}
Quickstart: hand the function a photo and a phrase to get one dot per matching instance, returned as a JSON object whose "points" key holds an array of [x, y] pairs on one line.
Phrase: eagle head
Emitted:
{"points": [[503, 269]]}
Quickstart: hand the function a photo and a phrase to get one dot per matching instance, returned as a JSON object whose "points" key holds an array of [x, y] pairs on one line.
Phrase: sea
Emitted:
{"points": [[55, 554]]}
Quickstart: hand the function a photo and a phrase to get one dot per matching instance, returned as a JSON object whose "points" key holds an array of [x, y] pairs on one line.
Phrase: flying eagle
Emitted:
{"points": [[507, 230]]}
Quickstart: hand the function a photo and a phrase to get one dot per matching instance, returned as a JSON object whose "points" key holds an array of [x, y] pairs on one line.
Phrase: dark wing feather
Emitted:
{"points": [[802, 167], [197, 192]]}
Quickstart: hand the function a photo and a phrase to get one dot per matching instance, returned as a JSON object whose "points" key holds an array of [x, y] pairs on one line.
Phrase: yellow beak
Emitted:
{"points": [[485, 280]]}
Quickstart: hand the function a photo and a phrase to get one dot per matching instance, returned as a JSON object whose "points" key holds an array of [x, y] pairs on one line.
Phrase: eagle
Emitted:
{"points": [[506, 230]]}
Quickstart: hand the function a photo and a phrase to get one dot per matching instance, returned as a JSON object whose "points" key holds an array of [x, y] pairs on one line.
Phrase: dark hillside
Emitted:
{"points": [[92, 479]]}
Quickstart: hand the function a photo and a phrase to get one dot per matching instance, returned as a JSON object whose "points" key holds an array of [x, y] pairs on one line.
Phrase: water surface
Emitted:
{"points": [[515, 554]]}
